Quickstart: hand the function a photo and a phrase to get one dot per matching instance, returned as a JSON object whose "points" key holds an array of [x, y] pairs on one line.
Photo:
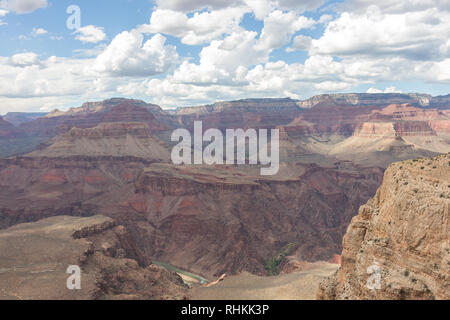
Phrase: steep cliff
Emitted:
{"points": [[402, 234], [248, 113], [91, 114]]}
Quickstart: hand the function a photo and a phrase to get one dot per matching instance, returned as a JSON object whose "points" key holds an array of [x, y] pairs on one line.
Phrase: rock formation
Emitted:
{"points": [[209, 220], [112, 158], [107, 139], [90, 115], [403, 234], [34, 259]]}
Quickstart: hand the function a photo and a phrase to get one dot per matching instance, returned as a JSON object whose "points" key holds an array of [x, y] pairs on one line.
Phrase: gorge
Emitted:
{"points": [[112, 158]]}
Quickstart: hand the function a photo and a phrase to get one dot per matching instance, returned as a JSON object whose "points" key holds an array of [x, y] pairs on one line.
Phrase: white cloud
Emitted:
{"points": [[128, 55], [298, 6], [325, 18], [300, 42], [189, 6], [90, 52], [90, 34], [259, 7], [332, 86], [22, 6], [433, 72], [237, 49], [223, 61], [24, 59], [394, 6], [387, 90], [39, 32], [279, 27], [29, 77], [406, 40], [413, 35], [2, 14], [201, 27]]}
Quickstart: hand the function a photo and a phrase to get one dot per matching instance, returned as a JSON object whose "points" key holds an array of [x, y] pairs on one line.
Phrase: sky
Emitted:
{"points": [[56, 54]]}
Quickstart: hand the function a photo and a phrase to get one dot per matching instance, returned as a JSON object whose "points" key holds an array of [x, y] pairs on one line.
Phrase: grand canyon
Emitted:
{"points": [[105, 166]]}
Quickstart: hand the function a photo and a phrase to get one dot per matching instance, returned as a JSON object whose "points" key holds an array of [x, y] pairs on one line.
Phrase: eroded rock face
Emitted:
{"points": [[107, 139], [322, 118], [231, 221], [91, 114], [404, 231], [248, 113], [112, 158], [210, 220], [34, 258]]}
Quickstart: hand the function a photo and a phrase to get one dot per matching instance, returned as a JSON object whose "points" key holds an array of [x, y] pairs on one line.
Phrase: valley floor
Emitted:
{"points": [[300, 285]]}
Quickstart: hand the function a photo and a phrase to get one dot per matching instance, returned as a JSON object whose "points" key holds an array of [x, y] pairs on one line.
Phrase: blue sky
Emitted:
{"points": [[115, 17], [178, 52]]}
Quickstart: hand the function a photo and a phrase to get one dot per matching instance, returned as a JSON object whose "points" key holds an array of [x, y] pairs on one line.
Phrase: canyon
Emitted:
{"points": [[112, 158]]}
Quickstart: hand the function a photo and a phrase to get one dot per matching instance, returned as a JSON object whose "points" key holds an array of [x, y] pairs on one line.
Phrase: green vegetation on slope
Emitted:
{"points": [[272, 263]]}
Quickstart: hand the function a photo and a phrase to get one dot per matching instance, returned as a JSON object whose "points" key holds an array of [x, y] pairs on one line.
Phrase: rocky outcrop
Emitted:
{"points": [[248, 113], [35, 257], [400, 236], [103, 107], [108, 139], [91, 114], [32, 133]]}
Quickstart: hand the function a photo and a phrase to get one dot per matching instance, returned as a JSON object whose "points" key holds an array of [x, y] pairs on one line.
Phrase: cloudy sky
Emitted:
{"points": [[181, 52]]}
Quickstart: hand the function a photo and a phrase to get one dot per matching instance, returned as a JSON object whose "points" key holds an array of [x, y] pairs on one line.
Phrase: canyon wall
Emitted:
{"points": [[209, 220], [403, 232], [113, 158]]}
